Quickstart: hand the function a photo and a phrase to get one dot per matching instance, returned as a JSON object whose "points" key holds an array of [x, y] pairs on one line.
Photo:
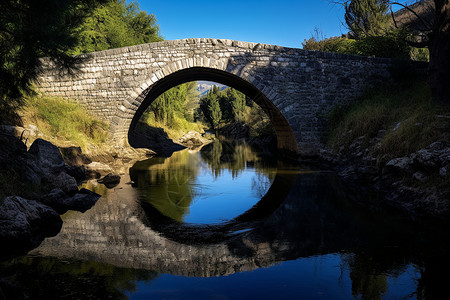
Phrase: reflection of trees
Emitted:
{"points": [[260, 184], [35, 278], [367, 283], [169, 182], [211, 154], [233, 156]]}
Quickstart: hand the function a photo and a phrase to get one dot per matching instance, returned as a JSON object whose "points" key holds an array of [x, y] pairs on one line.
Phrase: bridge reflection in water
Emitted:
{"points": [[303, 214]]}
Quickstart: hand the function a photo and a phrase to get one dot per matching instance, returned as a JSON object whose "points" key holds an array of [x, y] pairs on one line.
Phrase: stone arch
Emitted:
{"points": [[174, 75]]}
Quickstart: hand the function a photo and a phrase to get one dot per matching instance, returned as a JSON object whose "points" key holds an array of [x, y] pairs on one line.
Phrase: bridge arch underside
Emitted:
{"points": [[286, 140]]}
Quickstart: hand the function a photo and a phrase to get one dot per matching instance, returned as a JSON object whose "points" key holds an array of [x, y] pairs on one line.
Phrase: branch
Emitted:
{"points": [[393, 18], [427, 26]]}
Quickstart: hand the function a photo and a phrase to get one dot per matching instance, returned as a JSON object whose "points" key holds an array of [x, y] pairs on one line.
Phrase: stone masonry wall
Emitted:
{"points": [[303, 85]]}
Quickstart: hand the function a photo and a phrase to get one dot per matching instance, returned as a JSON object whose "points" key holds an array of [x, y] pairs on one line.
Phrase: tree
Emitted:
{"points": [[215, 112], [29, 30], [435, 35], [366, 17], [116, 24], [237, 101], [173, 101]]}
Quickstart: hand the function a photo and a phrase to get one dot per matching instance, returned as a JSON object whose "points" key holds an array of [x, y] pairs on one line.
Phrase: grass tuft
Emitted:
{"points": [[65, 120]]}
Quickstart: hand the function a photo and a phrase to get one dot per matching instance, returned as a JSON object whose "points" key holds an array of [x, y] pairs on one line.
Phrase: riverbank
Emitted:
{"points": [[395, 142]]}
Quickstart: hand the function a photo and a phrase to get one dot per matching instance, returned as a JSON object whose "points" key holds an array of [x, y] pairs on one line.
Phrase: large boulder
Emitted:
{"points": [[47, 157], [24, 224]]}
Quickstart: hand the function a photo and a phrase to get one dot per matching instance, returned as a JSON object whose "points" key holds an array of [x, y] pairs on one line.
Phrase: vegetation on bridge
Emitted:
{"points": [[374, 33]]}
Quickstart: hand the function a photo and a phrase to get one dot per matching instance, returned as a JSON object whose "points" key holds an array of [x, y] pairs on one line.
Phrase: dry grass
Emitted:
{"points": [[405, 111], [64, 120]]}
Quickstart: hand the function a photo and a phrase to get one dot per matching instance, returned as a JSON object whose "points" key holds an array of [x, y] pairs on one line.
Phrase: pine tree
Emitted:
{"points": [[237, 101], [214, 111], [367, 17]]}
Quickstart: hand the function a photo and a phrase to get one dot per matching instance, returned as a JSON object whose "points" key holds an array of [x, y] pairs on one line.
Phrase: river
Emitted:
{"points": [[229, 222]]}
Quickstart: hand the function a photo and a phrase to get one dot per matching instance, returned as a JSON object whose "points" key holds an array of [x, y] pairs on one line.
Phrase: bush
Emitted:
{"points": [[392, 44], [334, 44]]}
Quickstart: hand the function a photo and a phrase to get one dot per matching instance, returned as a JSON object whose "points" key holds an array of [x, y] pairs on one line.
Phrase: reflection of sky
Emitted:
{"points": [[315, 277], [224, 197]]}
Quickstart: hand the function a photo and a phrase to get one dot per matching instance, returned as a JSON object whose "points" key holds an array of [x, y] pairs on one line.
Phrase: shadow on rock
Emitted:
{"points": [[153, 138]]}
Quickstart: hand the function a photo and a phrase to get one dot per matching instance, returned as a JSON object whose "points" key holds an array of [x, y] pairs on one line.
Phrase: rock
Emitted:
{"points": [[77, 172], [55, 199], [401, 165], [74, 156], [11, 145], [444, 156], [24, 224], [436, 146], [47, 157], [419, 176], [82, 201], [426, 159], [65, 182], [61, 202], [444, 171], [96, 169], [192, 138], [397, 126], [110, 180]]}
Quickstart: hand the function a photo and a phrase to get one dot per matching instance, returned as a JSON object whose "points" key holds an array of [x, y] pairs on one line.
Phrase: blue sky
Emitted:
{"points": [[283, 22]]}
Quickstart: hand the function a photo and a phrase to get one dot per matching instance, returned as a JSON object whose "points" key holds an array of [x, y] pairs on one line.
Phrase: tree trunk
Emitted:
{"points": [[439, 67]]}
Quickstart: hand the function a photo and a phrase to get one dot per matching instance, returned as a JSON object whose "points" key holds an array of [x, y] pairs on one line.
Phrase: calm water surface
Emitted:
{"points": [[227, 222]]}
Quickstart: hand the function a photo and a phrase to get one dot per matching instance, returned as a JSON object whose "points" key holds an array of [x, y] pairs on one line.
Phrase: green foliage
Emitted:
{"points": [[420, 54], [29, 30], [367, 17], [333, 44], [116, 24], [174, 110], [392, 44], [231, 106], [174, 101], [237, 102], [214, 111], [66, 120], [403, 115]]}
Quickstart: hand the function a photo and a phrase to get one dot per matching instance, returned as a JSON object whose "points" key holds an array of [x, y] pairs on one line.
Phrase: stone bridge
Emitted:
{"points": [[296, 88]]}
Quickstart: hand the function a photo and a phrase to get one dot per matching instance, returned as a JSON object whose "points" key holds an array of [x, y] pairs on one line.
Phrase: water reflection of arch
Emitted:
{"points": [[214, 233], [310, 220]]}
